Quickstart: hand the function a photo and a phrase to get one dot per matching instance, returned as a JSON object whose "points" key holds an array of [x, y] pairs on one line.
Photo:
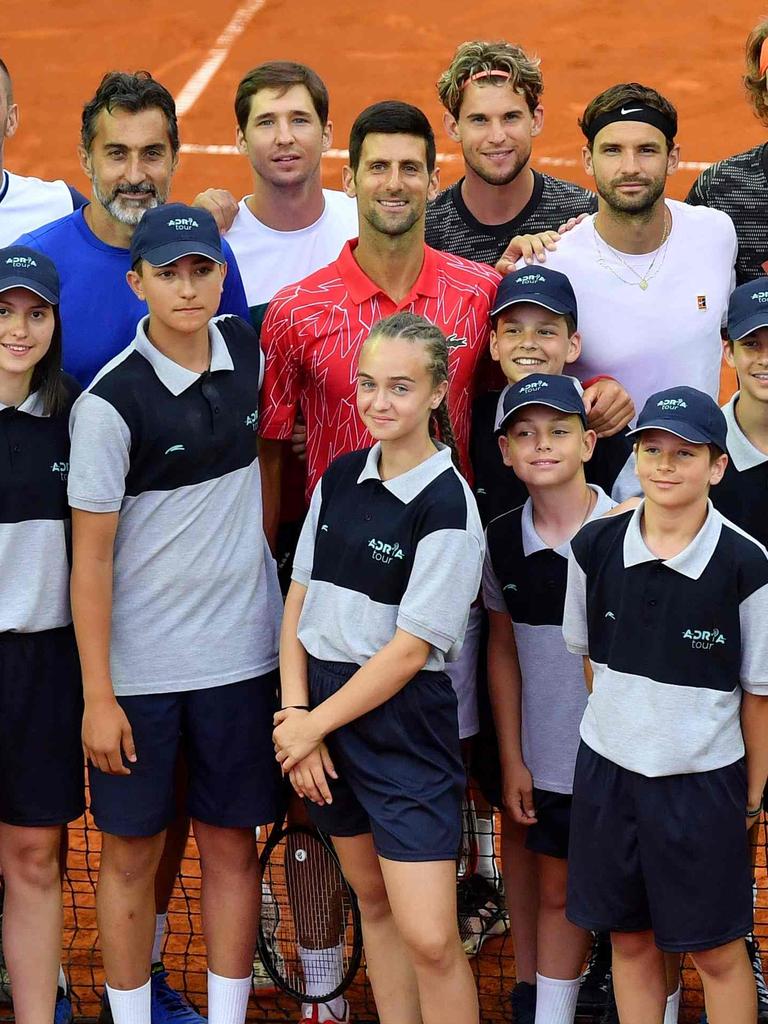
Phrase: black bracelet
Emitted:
{"points": [[296, 707], [754, 814]]}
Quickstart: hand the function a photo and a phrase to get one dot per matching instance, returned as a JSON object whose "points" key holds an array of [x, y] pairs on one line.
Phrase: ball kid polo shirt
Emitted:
{"points": [[196, 601], [742, 494]]}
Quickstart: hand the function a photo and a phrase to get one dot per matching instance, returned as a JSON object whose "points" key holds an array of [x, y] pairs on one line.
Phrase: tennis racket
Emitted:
{"points": [[307, 903]]}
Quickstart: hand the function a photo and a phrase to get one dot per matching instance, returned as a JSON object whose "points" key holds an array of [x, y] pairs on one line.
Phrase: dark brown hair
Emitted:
{"points": [[46, 376], [619, 96], [477, 57], [280, 75], [754, 82], [391, 117], [119, 90]]}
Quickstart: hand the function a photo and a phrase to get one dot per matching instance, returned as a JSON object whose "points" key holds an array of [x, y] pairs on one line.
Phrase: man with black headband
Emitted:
{"points": [[652, 275]]}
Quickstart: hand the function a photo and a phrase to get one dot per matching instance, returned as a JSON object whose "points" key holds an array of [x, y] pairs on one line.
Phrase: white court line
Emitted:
{"points": [[218, 53], [442, 158]]}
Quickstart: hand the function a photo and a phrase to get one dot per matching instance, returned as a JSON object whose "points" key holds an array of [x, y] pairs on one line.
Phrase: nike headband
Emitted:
{"points": [[632, 112]]}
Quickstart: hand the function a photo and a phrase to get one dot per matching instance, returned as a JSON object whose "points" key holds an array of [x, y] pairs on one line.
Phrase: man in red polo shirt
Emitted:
{"points": [[313, 330]]}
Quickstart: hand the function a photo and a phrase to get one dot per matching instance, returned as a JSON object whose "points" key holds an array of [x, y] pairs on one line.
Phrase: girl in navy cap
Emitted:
{"points": [[387, 566], [41, 760]]}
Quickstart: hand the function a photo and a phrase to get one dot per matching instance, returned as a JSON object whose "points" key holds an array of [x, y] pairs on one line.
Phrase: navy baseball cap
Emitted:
{"points": [[748, 308], [556, 391], [687, 413], [21, 267], [169, 232], [539, 285]]}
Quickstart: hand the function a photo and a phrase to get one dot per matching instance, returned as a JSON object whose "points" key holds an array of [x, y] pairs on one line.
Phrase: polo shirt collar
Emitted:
{"points": [[741, 450], [408, 485], [532, 542], [361, 288], [32, 405], [691, 561], [178, 378]]}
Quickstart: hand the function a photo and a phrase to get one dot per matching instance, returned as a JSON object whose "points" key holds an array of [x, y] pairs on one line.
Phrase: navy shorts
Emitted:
{"points": [[225, 734], [401, 776], [42, 777], [668, 854], [553, 824]]}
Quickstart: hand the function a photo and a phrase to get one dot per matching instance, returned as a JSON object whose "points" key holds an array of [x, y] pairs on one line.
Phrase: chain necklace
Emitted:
{"points": [[650, 273]]}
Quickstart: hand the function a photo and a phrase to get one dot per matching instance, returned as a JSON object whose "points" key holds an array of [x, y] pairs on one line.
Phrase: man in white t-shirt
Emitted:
{"points": [[290, 226], [652, 275], [26, 203]]}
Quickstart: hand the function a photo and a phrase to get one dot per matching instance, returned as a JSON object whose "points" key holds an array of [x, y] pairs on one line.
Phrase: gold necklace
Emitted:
{"points": [[650, 273]]}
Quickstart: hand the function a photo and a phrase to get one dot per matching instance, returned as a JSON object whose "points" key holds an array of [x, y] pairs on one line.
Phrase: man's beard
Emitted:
{"points": [[501, 177], [119, 205], [632, 205]]}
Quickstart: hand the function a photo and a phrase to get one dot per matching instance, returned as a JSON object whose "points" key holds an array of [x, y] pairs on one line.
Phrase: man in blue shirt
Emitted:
{"points": [[129, 150]]}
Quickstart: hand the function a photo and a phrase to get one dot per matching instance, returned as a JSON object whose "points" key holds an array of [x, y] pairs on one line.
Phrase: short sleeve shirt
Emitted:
{"points": [[672, 642], [377, 555], [313, 332], [196, 601], [742, 494]]}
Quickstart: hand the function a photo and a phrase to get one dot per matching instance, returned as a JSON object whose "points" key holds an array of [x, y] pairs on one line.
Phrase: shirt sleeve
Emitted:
{"points": [[233, 298], [304, 558], [575, 632], [282, 374], [443, 584], [698, 195], [753, 615], [493, 599], [99, 457], [78, 199]]}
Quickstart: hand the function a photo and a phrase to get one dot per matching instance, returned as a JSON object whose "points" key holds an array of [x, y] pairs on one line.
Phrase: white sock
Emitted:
{"points": [[333, 1010], [62, 982], [556, 1000], [673, 1005], [486, 861], [157, 950], [227, 999], [131, 1006], [323, 968]]}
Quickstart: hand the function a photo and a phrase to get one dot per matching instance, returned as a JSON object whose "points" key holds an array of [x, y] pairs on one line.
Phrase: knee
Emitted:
{"points": [[132, 860], [552, 897], [373, 902], [720, 962], [633, 945], [232, 850], [435, 952], [34, 864]]}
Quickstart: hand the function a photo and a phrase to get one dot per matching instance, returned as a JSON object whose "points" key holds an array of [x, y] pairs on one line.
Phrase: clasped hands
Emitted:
{"points": [[302, 754]]}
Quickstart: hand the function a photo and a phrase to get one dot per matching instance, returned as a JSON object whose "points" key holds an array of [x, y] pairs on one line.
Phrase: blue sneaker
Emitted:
{"points": [[62, 1013], [168, 1005]]}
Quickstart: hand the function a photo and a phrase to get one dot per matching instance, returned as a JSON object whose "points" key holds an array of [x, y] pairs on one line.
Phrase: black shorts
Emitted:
{"points": [[225, 733], [553, 824], [668, 854], [401, 777], [42, 777]]}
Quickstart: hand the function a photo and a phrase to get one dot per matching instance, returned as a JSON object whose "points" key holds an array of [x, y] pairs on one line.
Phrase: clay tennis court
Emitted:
{"points": [[57, 52]]}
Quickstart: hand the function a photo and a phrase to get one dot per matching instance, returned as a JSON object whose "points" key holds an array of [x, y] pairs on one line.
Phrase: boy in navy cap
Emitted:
{"points": [[667, 603], [536, 685], [176, 607]]}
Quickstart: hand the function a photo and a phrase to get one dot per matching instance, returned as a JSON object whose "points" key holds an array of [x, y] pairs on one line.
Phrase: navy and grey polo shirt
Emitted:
{"points": [[377, 555], [526, 578], [672, 642], [742, 494], [497, 489], [34, 515], [196, 601]]}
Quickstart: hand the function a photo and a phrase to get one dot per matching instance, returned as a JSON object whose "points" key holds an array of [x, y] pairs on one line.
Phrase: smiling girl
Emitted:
{"points": [[41, 759], [387, 566]]}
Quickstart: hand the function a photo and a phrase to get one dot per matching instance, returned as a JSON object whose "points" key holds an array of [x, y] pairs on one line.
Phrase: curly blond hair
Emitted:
{"points": [[754, 82], [475, 57]]}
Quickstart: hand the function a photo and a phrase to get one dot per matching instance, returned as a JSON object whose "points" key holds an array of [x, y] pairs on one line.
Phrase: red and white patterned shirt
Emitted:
{"points": [[314, 330]]}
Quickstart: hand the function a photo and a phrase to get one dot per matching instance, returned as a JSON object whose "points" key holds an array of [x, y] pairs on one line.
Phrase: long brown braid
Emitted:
{"points": [[412, 327]]}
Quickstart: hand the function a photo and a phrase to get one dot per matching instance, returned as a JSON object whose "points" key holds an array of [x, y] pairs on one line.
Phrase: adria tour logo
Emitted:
{"points": [[671, 404], [252, 419], [20, 262], [183, 223], [760, 296], [386, 553], [531, 279], [704, 639], [533, 387], [62, 468]]}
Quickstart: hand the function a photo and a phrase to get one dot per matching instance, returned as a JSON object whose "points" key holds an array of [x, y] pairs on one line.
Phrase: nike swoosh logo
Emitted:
{"points": [[631, 110], [175, 448]]}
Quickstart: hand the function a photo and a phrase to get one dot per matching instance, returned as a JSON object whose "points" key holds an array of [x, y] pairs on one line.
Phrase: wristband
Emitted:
{"points": [[296, 707], [593, 380], [754, 814]]}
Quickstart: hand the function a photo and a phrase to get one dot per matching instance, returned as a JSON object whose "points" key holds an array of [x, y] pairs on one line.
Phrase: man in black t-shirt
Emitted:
{"points": [[739, 185], [491, 93]]}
